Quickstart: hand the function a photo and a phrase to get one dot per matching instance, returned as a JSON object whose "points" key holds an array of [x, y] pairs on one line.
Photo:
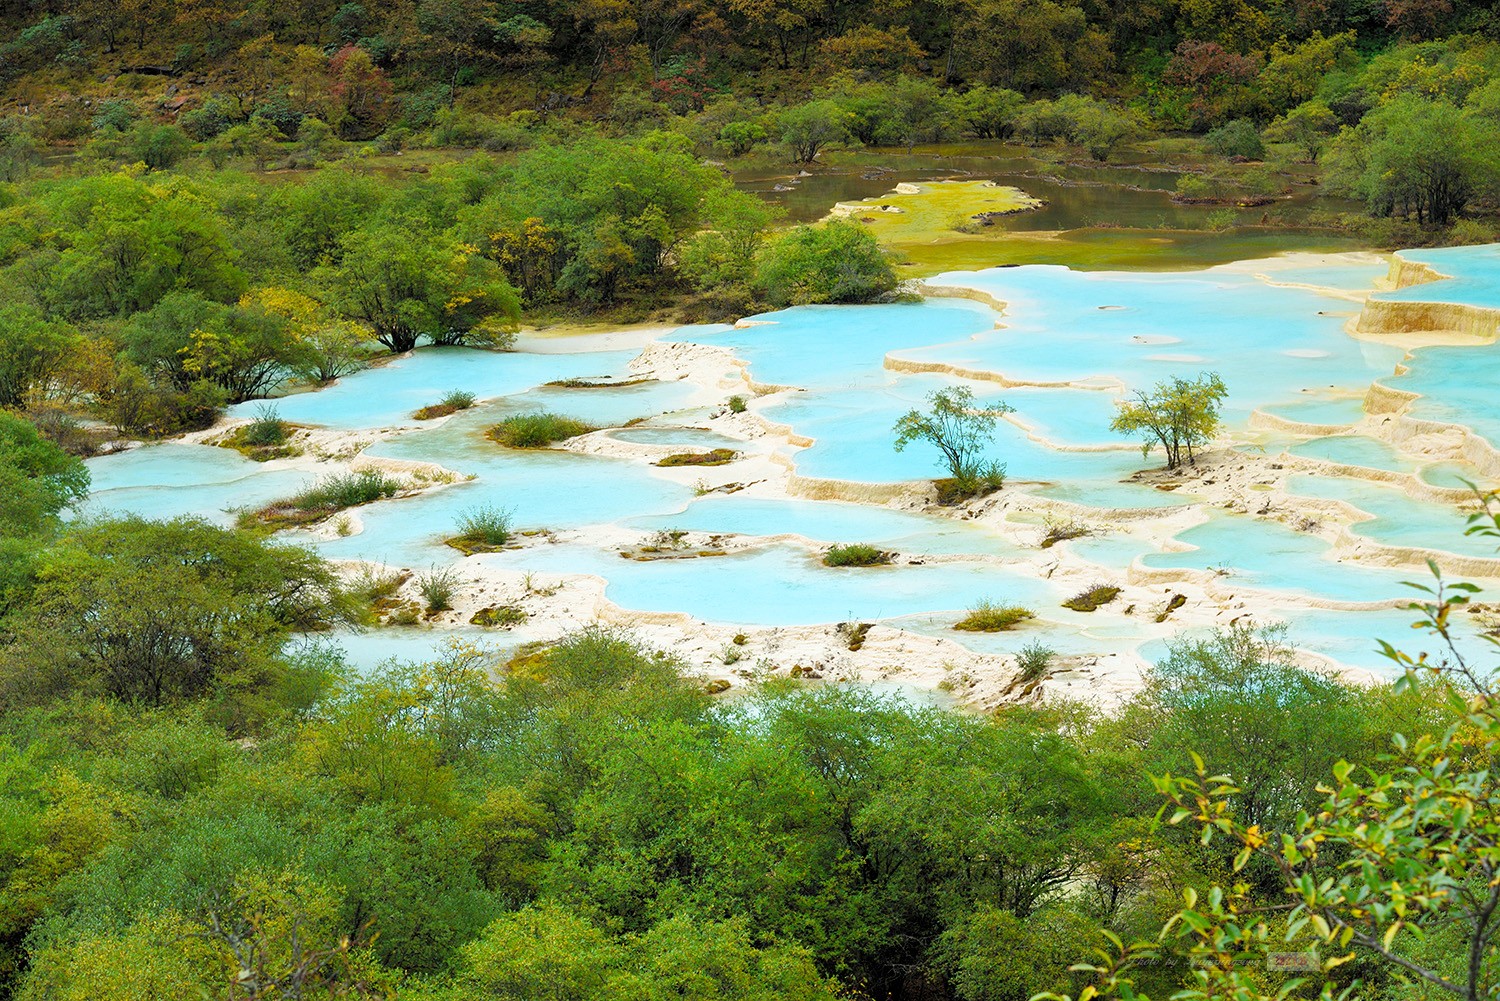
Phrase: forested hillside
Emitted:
{"points": [[1372, 86]]}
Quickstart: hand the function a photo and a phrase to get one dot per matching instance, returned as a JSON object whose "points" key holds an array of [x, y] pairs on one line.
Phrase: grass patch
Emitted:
{"points": [[483, 530], [328, 496], [537, 430], [267, 429], [1091, 598], [458, 399], [988, 617], [857, 554], [718, 457], [594, 383]]}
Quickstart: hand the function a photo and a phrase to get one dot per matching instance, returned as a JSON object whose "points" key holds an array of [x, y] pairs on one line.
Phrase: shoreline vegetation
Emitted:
{"points": [[285, 211], [204, 204]]}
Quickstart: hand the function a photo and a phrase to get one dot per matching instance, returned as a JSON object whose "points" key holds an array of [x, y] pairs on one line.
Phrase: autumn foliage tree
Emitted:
{"points": [[1180, 415]]}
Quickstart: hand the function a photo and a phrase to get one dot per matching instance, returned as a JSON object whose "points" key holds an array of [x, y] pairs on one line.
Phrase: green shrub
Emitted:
{"points": [[1194, 186], [988, 617], [268, 429], [437, 588], [836, 262], [1237, 138], [471, 130], [857, 554], [737, 404], [536, 430], [1034, 659]]}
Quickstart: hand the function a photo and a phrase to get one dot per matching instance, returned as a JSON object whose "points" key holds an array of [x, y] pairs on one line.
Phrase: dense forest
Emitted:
{"points": [[204, 202], [200, 799]]}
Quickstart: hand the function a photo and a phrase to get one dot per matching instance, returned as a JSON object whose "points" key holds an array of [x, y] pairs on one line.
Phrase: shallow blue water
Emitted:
{"points": [[170, 479], [783, 585], [1279, 349], [1398, 519], [1474, 276], [392, 392], [1270, 343], [829, 522], [1268, 556]]}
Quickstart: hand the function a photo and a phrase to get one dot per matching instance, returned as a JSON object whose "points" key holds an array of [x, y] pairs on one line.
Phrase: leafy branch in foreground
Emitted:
{"points": [[1399, 867]]}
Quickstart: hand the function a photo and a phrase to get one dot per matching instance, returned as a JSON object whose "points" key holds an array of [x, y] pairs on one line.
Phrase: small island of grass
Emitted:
{"points": [[988, 617], [1093, 597], [451, 404], [265, 438], [717, 457], [537, 430], [483, 530], [325, 498], [857, 554]]}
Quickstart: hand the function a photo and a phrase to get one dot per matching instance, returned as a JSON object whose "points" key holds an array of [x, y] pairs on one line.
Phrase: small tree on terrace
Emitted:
{"points": [[959, 429], [1180, 415]]}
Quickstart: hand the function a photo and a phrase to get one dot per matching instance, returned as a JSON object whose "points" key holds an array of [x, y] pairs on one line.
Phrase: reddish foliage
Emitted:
{"points": [[1205, 67]]}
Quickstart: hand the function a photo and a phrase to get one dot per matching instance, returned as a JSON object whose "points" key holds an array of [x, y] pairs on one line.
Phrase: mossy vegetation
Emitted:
{"points": [[919, 221], [1172, 604], [856, 554], [378, 589], [499, 617], [988, 617], [1091, 598], [716, 457], [539, 429]]}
